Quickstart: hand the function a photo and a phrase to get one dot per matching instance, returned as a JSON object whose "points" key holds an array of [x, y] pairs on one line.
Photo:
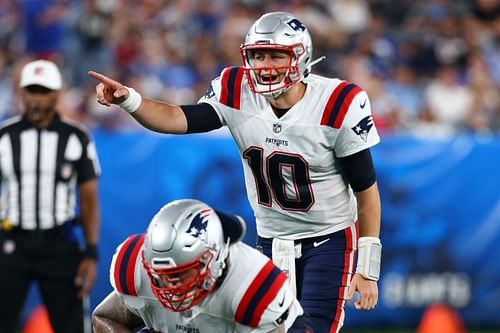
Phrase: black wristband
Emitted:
{"points": [[91, 252]]}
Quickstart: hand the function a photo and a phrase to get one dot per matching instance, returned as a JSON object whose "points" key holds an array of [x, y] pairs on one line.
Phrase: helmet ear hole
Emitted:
{"points": [[208, 284]]}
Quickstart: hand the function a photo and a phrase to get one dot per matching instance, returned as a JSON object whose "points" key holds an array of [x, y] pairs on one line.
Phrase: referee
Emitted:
{"points": [[46, 164]]}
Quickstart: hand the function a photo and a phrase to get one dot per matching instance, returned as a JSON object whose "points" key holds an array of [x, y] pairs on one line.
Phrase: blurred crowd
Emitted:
{"points": [[431, 67]]}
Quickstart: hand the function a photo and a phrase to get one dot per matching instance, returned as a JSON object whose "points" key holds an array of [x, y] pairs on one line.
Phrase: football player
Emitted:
{"points": [[305, 144], [191, 273]]}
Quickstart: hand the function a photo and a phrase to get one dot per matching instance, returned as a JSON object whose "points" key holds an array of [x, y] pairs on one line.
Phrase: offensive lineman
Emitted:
{"points": [[305, 145], [191, 273]]}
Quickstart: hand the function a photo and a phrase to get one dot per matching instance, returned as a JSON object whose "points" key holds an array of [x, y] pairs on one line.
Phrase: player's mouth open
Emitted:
{"points": [[269, 79]]}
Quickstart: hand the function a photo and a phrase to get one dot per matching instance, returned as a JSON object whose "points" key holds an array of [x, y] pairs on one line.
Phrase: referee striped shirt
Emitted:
{"points": [[40, 170]]}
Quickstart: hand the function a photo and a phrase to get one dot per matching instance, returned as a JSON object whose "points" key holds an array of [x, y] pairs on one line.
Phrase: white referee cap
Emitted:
{"points": [[41, 73]]}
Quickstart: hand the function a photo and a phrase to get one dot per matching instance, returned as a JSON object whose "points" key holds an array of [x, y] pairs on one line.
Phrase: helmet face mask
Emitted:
{"points": [[283, 33], [184, 253], [182, 287]]}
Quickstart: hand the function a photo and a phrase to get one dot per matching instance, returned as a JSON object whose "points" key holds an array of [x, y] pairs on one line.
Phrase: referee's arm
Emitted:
{"points": [[89, 211], [89, 215], [88, 171]]}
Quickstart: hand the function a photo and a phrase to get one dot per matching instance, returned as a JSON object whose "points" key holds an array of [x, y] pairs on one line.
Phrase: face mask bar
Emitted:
{"points": [[270, 85], [176, 295], [270, 88]]}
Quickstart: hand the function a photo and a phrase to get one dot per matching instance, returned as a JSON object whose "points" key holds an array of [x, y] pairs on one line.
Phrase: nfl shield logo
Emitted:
{"points": [[276, 128]]}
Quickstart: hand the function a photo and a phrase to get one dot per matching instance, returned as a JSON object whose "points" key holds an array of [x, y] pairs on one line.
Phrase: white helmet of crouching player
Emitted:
{"points": [[185, 251]]}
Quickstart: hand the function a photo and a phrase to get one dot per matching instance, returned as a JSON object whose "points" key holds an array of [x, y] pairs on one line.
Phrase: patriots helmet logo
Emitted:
{"points": [[296, 25], [363, 127], [198, 226]]}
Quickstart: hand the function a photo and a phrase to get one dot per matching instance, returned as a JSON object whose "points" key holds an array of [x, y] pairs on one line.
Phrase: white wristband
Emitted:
{"points": [[133, 101], [369, 257]]}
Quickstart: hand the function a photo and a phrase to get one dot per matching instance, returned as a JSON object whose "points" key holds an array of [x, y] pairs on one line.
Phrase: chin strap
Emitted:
{"points": [[275, 94], [314, 62], [218, 268]]}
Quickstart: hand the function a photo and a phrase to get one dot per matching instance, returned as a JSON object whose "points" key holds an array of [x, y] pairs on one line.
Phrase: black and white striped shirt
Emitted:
{"points": [[40, 170]]}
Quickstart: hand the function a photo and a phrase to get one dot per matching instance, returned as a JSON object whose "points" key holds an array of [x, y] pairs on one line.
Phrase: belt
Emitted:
{"points": [[59, 230], [309, 240]]}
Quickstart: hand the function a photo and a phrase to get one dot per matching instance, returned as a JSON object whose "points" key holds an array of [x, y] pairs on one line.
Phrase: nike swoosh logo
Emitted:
{"points": [[316, 244], [363, 105], [281, 302]]}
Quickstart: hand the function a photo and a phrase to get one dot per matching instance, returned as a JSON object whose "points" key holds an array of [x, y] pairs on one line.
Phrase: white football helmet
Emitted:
{"points": [[279, 31], [185, 252]]}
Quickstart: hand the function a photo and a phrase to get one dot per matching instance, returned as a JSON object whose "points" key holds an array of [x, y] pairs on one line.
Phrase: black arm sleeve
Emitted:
{"points": [[201, 118], [358, 169]]}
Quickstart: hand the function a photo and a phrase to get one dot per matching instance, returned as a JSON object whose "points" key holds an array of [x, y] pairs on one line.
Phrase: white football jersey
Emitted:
{"points": [[293, 180], [253, 297]]}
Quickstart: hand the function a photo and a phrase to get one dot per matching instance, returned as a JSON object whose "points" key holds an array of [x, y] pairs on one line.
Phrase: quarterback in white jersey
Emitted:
{"points": [[305, 145], [191, 273], [293, 180]]}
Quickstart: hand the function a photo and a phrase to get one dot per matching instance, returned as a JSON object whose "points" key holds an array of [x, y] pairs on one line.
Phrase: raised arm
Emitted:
{"points": [[155, 115], [112, 315]]}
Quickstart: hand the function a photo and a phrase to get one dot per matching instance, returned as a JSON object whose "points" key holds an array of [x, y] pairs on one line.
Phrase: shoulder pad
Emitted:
{"points": [[259, 295], [230, 80], [338, 104], [122, 272]]}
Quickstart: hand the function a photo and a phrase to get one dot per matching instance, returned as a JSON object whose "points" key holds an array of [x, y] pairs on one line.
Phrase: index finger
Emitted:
{"points": [[103, 78]]}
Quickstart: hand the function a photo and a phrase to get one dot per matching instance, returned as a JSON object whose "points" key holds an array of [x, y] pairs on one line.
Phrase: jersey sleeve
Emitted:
{"points": [[349, 111], [265, 303], [124, 275], [225, 91], [284, 309]]}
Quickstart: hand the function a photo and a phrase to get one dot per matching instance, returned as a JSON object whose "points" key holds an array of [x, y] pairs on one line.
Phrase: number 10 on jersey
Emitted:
{"points": [[287, 179]]}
